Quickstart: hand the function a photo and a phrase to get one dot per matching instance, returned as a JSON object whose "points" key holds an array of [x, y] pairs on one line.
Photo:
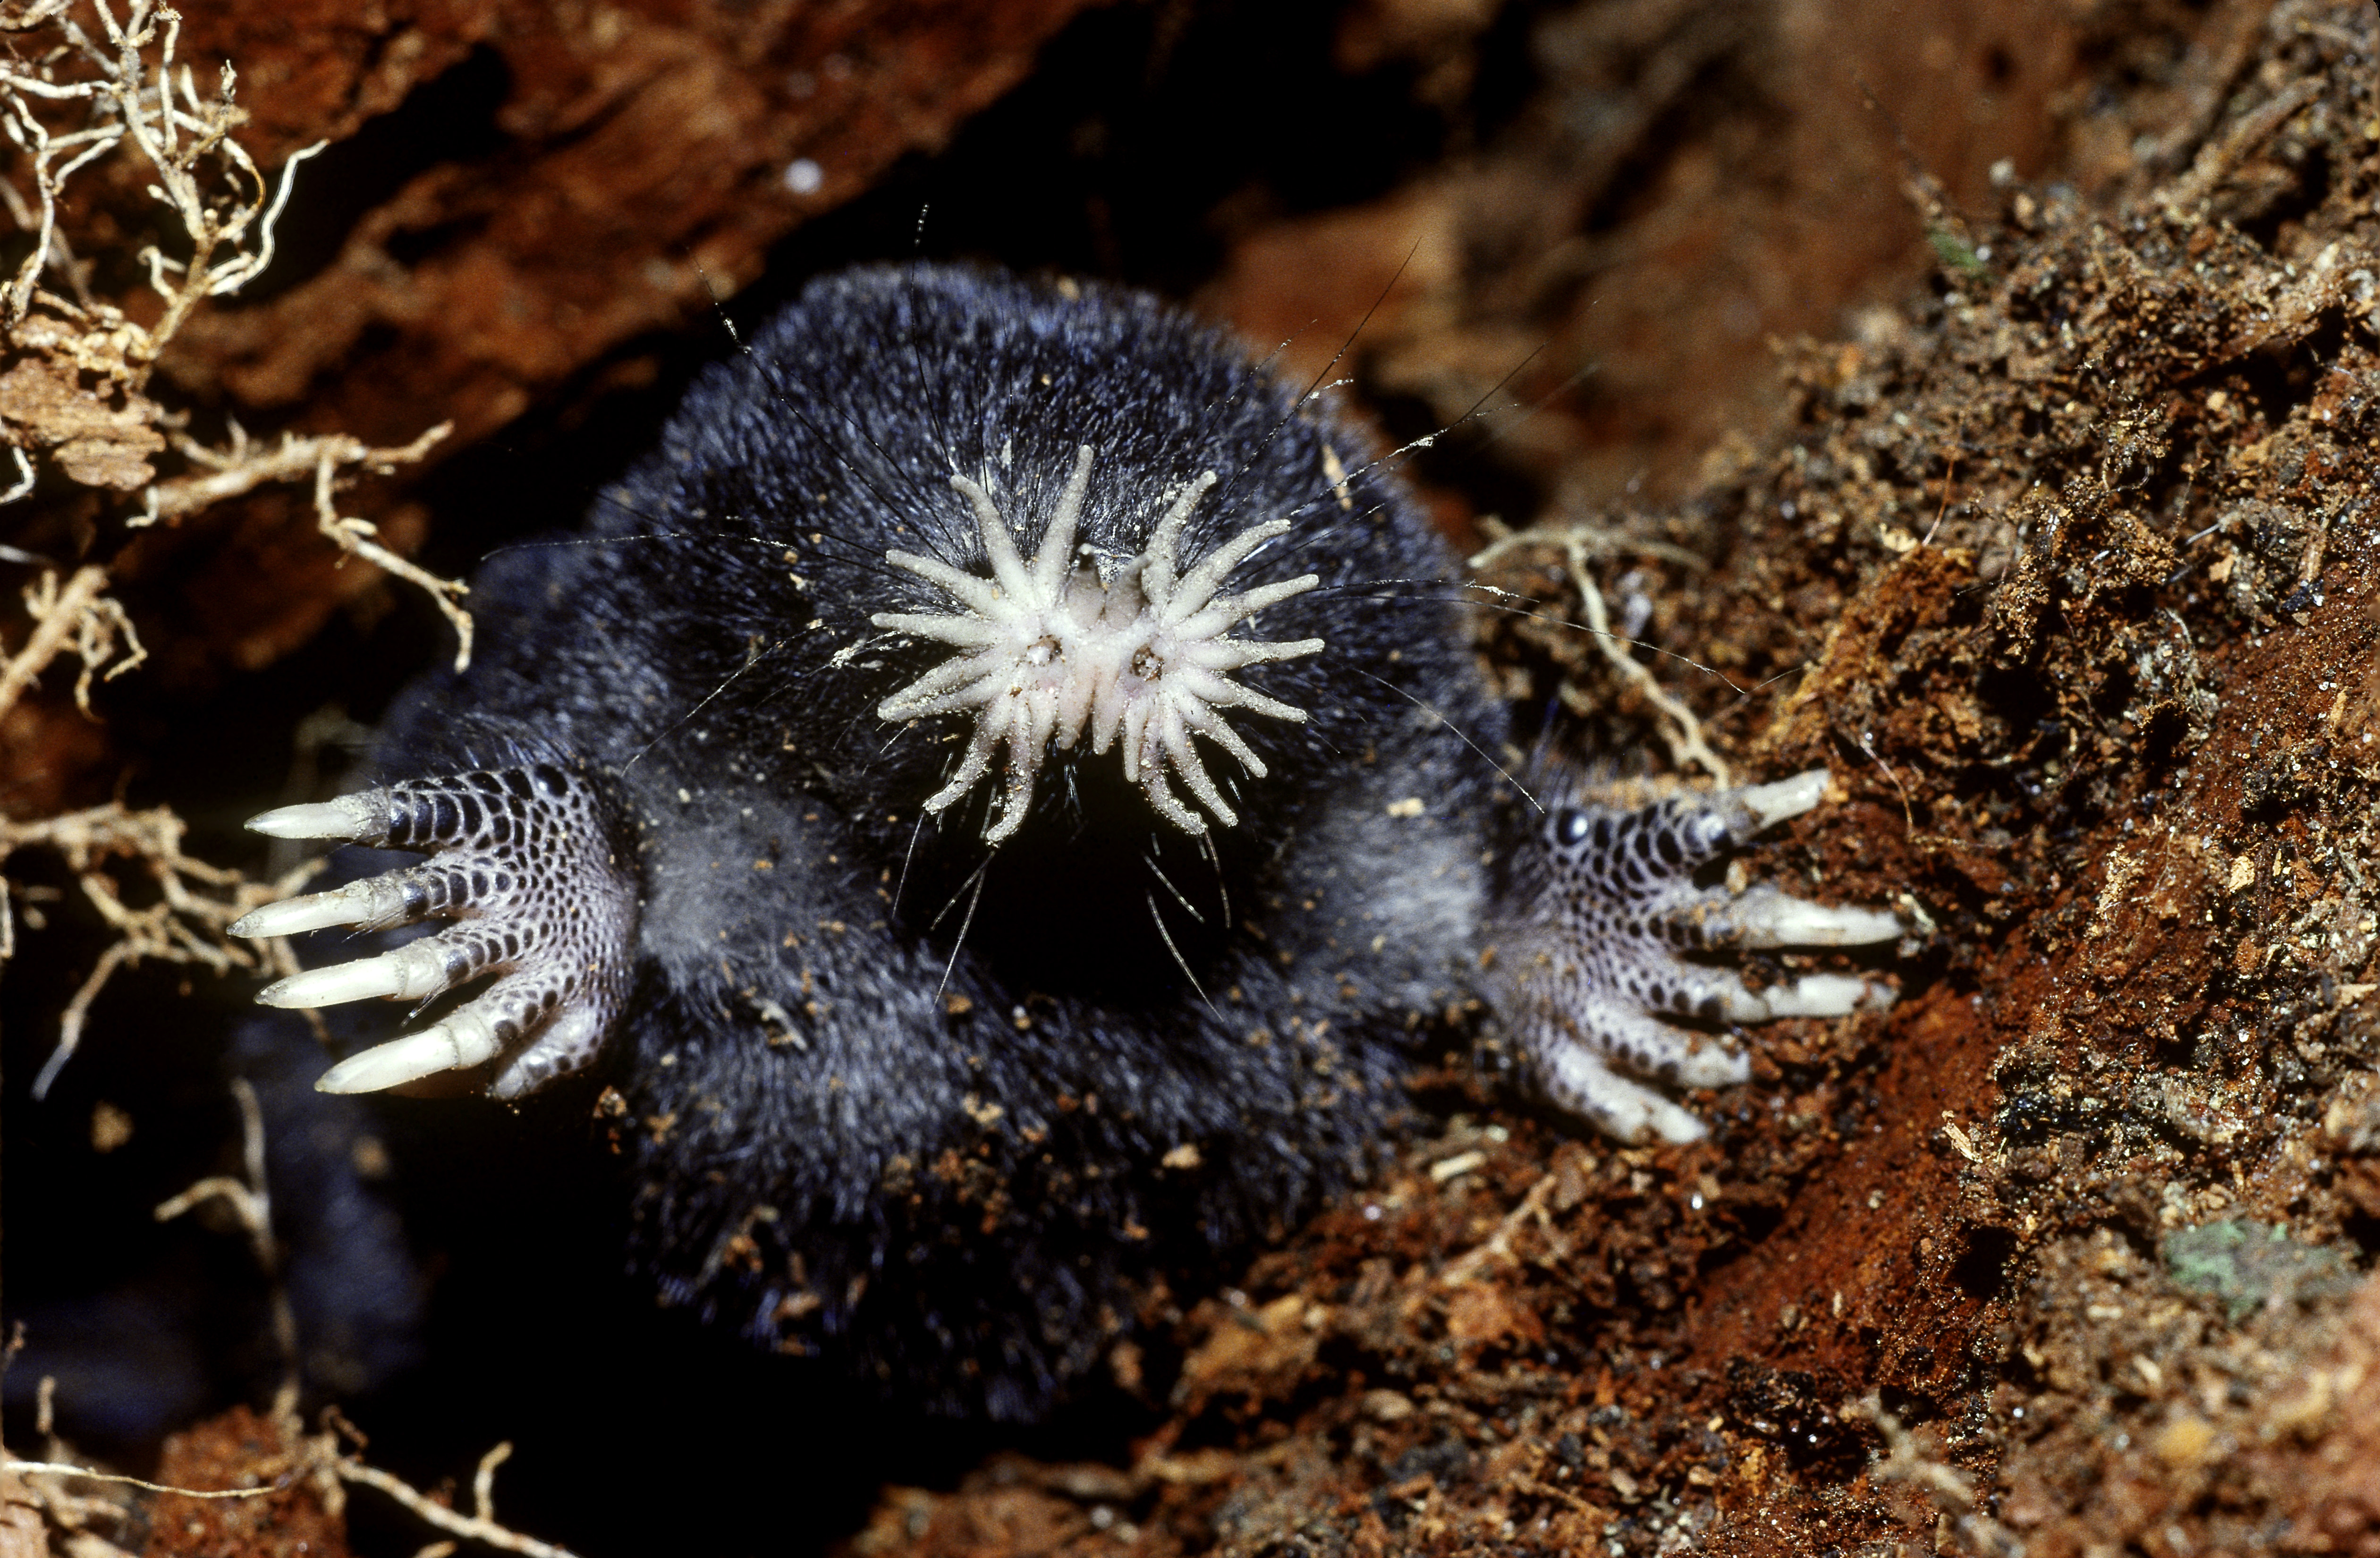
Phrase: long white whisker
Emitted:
{"points": [[1458, 731], [1179, 961]]}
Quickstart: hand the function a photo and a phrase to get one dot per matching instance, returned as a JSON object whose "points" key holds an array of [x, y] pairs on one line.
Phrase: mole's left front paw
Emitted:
{"points": [[523, 861], [1589, 971]]}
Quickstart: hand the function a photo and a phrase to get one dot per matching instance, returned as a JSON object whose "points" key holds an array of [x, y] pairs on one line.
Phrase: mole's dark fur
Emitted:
{"points": [[928, 1072], [949, 1178]]}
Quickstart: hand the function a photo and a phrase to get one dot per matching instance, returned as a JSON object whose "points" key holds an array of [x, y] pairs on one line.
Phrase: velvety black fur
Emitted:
{"points": [[896, 1095]]}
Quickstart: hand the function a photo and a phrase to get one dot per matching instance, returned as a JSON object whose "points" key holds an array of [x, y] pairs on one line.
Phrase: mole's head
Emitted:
{"points": [[1058, 552], [1061, 599]]}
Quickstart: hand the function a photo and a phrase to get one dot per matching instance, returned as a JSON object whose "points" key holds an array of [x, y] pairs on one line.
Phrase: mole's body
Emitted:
{"points": [[996, 800]]}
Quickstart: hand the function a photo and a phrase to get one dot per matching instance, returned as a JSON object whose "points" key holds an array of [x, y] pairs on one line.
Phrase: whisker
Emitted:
{"points": [[916, 831], [1711, 671], [1400, 455], [770, 376], [1157, 871], [1463, 734], [1542, 401], [1222, 888], [964, 925], [1265, 445], [1179, 961], [1501, 603], [679, 724], [934, 419], [614, 497], [558, 542]]}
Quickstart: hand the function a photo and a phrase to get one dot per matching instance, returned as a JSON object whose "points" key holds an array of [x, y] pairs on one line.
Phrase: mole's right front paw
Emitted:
{"points": [[526, 862]]}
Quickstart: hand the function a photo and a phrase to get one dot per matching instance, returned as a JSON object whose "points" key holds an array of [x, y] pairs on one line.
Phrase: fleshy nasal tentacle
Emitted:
{"points": [[1045, 653]]}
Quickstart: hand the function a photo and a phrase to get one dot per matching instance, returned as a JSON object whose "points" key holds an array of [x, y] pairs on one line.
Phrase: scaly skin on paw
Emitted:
{"points": [[1589, 939], [525, 865]]}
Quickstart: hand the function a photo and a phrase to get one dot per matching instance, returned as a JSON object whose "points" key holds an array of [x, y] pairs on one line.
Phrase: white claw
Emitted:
{"points": [[1579, 1081], [1671, 1123], [409, 1059], [1767, 918], [291, 915], [1770, 804], [1711, 1066], [359, 903], [411, 971], [1817, 925], [346, 817], [1817, 996]]}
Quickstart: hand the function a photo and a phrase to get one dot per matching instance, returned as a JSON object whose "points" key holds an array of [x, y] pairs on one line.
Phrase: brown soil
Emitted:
{"points": [[2064, 569], [2054, 545], [240, 1449]]}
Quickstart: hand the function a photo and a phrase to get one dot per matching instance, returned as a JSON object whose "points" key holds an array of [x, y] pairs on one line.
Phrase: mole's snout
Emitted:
{"points": [[1055, 650]]}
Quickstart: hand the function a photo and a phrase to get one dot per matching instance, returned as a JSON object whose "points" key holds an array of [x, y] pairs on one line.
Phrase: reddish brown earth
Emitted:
{"points": [[2053, 542], [560, 179], [240, 1449], [2074, 593]]}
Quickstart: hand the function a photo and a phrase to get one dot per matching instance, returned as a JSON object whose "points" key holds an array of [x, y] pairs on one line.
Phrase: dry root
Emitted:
{"points": [[314, 1459], [479, 1526], [102, 86], [87, 86], [79, 82], [244, 467], [1952, 1492], [78, 617], [67, 106], [1681, 731], [186, 924]]}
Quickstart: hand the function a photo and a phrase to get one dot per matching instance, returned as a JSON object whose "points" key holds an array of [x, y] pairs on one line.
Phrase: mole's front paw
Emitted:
{"points": [[526, 863], [1589, 939]]}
